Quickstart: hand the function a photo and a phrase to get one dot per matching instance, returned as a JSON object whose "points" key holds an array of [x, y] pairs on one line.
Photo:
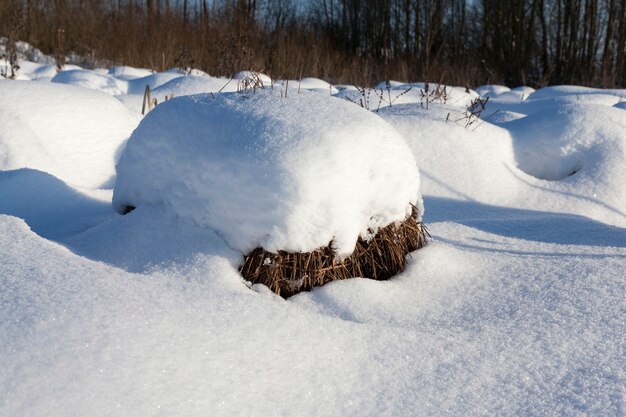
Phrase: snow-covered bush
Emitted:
{"points": [[291, 174]]}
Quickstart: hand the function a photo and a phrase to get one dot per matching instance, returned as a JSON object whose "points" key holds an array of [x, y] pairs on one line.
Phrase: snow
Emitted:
{"points": [[70, 132], [524, 163], [303, 176], [181, 86], [492, 90], [516, 308], [92, 80], [138, 85], [313, 84], [129, 73], [573, 90], [264, 78], [378, 98]]}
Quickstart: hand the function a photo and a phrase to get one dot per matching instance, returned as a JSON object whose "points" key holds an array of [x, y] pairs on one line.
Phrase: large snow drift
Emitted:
{"points": [[70, 132], [283, 173]]}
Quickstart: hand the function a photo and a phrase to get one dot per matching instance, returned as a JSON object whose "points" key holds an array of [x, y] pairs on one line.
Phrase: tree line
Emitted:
{"points": [[463, 42]]}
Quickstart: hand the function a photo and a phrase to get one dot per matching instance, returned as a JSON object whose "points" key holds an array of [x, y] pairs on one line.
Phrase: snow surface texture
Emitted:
{"points": [[70, 132], [282, 173], [481, 323]]}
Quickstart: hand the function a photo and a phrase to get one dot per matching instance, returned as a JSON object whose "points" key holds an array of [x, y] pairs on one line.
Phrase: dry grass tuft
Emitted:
{"points": [[380, 258]]}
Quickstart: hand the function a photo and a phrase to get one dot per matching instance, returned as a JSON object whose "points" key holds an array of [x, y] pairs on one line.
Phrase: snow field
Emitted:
{"points": [[516, 308]]}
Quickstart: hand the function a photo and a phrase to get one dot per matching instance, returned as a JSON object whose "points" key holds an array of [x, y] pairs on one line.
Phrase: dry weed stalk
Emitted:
{"points": [[472, 113], [379, 258], [438, 94], [59, 55], [390, 100], [11, 65], [251, 82], [149, 102]]}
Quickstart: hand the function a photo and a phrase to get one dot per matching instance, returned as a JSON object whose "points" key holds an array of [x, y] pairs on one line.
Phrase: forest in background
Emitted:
{"points": [[461, 42]]}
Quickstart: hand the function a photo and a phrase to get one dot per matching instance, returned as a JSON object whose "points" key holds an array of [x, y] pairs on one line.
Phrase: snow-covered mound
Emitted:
{"points": [[313, 84], [573, 90], [193, 84], [566, 159], [138, 85], [129, 73], [545, 102], [491, 90], [92, 80], [247, 75], [181, 86], [454, 161], [283, 173], [70, 132], [26, 52], [571, 140], [413, 93]]}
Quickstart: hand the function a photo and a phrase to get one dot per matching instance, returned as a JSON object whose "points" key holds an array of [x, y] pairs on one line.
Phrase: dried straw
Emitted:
{"points": [[380, 258]]}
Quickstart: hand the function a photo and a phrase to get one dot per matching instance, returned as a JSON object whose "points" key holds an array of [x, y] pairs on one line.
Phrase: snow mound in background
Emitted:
{"points": [[193, 84], [585, 140], [394, 95], [70, 132], [505, 94], [129, 73], [181, 86], [245, 75], [313, 84], [524, 163], [26, 52], [138, 85], [455, 161], [92, 80], [291, 174], [491, 90], [573, 90]]}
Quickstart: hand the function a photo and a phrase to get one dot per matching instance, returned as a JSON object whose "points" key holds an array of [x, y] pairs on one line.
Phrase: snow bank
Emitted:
{"points": [[565, 158], [92, 80], [291, 174], [70, 132]]}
